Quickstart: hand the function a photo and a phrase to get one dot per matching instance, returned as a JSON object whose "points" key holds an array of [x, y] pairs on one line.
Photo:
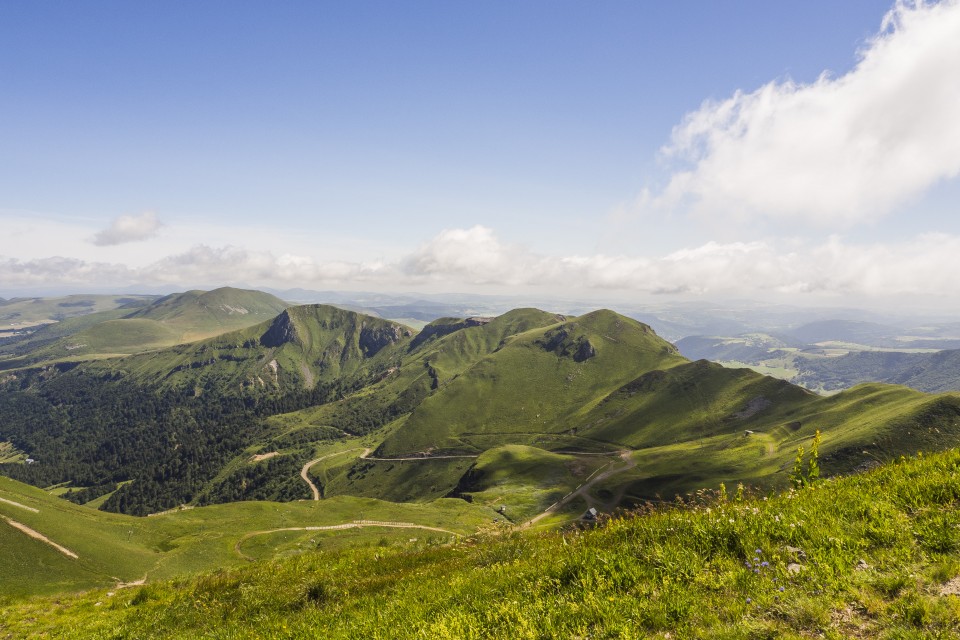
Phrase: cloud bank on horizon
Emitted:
{"points": [[476, 258], [836, 153]]}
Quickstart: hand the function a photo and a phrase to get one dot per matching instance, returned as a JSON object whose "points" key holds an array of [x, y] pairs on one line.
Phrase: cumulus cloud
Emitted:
{"points": [[475, 256], [128, 229], [840, 150]]}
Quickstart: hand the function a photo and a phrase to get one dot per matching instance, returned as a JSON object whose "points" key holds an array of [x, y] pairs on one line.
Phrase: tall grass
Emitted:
{"points": [[875, 555]]}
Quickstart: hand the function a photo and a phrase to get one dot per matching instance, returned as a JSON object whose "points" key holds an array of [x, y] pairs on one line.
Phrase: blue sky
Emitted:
{"points": [[498, 146]]}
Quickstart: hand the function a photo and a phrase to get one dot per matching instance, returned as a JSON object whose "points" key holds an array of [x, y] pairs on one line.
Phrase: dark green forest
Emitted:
{"points": [[165, 444]]}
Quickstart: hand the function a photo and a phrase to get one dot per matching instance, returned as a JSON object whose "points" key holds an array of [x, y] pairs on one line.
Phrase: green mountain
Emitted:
{"points": [[535, 384], [321, 429], [297, 350], [201, 314], [360, 406]]}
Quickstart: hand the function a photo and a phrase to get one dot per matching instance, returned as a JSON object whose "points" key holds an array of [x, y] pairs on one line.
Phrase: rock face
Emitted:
{"points": [[584, 351], [281, 331], [373, 339]]}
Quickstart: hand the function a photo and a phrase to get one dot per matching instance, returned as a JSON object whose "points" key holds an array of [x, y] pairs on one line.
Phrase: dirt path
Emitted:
{"points": [[127, 585], [17, 504], [42, 538], [630, 463], [356, 524], [417, 458], [306, 468]]}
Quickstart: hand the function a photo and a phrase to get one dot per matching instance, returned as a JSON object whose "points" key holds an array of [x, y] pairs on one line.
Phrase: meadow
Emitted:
{"points": [[875, 555]]}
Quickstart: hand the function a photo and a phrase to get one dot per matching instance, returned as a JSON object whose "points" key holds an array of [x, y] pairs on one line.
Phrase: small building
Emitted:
{"points": [[591, 514]]}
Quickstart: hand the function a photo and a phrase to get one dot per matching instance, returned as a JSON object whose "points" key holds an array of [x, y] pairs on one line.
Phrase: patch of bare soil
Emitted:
{"points": [[851, 624], [264, 456], [951, 588]]}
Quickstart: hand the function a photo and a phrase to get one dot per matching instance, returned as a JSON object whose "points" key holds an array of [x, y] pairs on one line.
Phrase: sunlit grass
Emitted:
{"points": [[868, 556]]}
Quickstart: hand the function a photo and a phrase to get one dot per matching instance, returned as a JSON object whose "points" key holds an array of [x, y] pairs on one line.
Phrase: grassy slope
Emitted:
{"points": [[860, 427], [174, 319], [109, 546], [526, 480], [876, 555], [114, 547]]}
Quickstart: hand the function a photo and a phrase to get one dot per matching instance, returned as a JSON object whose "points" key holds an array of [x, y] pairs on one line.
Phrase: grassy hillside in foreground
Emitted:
{"points": [[111, 548], [869, 556]]}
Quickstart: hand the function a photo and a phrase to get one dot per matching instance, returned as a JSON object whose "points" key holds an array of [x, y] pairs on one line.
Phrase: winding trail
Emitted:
{"points": [[630, 463], [356, 524], [42, 538], [306, 468]]}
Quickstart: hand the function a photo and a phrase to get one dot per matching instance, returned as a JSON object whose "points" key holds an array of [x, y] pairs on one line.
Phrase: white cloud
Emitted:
{"points": [[840, 150], [60, 271], [476, 260], [128, 229], [235, 264], [474, 256]]}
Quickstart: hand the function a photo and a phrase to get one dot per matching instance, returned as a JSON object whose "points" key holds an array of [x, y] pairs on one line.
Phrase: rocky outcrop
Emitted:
{"points": [[282, 330], [584, 351], [565, 344], [373, 339]]}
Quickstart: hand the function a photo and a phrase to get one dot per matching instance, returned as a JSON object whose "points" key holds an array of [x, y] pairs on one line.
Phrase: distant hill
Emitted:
{"points": [[174, 319], [930, 372], [200, 314], [836, 366], [29, 312], [743, 347], [859, 332]]}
